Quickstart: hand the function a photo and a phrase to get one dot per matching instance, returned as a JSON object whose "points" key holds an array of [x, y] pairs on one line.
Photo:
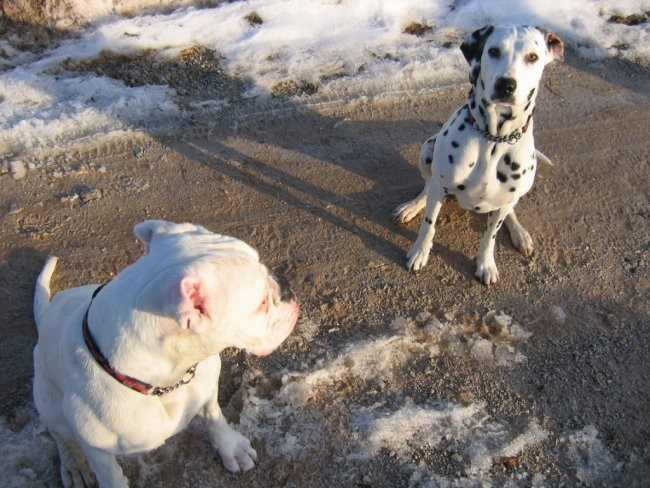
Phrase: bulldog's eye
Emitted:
{"points": [[532, 57], [494, 52]]}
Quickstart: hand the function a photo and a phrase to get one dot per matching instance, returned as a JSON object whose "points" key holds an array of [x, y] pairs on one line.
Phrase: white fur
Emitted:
{"points": [[193, 294], [485, 176]]}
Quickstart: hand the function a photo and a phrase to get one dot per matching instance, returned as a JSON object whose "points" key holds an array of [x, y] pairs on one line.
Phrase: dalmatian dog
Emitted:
{"points": [[484, 156], [120, 368]]}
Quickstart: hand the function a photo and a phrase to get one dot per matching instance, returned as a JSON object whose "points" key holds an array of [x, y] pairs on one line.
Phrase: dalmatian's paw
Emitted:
{"points": [[417, 257], [523, 242], [487, 273], [406, 212]]}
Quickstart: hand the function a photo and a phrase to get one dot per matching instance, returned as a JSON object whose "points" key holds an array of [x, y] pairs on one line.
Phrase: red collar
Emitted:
{"points": [[133, 383]]}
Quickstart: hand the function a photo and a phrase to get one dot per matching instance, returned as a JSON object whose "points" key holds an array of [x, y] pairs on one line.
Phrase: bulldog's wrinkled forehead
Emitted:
{"points": [[188, 240]]}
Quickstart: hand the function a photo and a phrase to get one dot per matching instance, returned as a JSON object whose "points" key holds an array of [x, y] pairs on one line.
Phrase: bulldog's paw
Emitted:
{"points": [[236, 451], [487, 272], [76, 474]]}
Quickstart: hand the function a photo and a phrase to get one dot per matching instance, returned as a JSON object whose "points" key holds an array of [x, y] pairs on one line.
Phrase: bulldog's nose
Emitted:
{"points": [[505, 87], [286, 293]]}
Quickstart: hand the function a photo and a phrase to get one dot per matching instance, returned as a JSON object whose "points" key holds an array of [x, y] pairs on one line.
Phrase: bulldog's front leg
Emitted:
{"points": [[235, 450], [106, 468]]}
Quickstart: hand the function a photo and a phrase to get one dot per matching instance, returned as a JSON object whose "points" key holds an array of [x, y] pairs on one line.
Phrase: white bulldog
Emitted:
{"points": [[119, 369]]}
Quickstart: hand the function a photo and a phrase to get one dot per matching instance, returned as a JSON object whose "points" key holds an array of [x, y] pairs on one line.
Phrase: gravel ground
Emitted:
{"points": [[392, 378]]}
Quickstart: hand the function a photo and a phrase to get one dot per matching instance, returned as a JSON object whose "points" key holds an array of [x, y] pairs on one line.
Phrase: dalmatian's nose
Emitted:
{"points": [[505, 87]]}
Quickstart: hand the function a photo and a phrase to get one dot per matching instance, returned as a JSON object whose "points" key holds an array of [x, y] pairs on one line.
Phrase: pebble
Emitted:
{"points": [[558, 314], [89, 194], [17, 169], [15, 208]]}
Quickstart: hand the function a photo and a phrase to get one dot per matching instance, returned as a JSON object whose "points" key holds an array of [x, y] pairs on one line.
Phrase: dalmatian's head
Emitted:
{"points": [[507, 61]]}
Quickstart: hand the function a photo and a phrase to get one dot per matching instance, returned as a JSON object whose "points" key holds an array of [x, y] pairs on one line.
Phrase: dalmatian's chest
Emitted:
{"points": [[481, 175]]}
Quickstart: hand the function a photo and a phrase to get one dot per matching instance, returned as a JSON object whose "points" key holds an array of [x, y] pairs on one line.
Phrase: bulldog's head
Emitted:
{"points": [[507, 61], [215, 289]]}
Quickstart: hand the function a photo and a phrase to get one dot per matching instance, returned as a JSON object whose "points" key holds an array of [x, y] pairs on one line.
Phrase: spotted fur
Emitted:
{"points": [[506, 64]]}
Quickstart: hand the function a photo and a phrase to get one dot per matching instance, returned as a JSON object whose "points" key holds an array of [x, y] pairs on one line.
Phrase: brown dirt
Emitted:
{"points": [[313, 191]]}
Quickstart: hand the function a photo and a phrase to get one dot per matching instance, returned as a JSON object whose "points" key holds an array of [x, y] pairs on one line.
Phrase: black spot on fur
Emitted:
{"points": [[477, 208], [471, 165], [484, 102], [494, 236], [494, 149], [516, 176], [428, 220], [451, 159], [461, 187], [461, 127], [428, 161], [482, 85], [512, 188], [481, 111], [501, 177], [445, 188], [527, 106], [473, 104], [476, 72], [514, 166], [530, 95], [454, 144], [507, 159], [445, 132]]}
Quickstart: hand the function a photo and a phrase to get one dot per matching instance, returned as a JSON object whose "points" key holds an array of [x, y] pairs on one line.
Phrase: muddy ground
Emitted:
{"points": [[313, 188]]}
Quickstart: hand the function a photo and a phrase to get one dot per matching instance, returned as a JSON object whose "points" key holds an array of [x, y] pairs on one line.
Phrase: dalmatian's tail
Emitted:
{"points": [[543, 158], [42, 292]]}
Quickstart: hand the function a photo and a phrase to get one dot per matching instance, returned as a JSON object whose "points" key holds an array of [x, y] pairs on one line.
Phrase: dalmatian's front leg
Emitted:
{"points": [[518, 235], [418, 255], [486, 267]]}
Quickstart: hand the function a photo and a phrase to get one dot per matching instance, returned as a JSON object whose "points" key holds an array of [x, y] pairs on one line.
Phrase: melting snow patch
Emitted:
{"points": [[593, 461]]}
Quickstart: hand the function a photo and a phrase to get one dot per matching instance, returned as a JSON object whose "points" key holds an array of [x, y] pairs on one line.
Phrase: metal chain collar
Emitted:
{"points": [[187, 377], [511, 138]]}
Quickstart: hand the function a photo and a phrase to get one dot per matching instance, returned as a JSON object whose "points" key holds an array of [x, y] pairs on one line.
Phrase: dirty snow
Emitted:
{"points": [[347, 49], [288, 426]]}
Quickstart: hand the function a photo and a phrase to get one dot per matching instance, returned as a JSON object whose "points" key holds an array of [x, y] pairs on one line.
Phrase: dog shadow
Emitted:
{"points": [[17, 328]]}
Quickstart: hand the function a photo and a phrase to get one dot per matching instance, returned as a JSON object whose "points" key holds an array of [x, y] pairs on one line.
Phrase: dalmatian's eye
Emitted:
{"points": [[532, 57], [494, 52]]}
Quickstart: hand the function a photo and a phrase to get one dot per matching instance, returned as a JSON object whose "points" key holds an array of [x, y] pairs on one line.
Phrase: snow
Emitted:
{"points": [[347, 48], [285, 425]]}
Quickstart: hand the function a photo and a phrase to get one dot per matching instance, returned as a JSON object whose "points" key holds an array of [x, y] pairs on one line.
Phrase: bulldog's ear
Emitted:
{"points": [[554, 46], [145, 231], [191, 306]]}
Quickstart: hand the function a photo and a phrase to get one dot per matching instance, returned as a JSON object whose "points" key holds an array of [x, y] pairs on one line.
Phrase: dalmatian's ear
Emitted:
{"points": [[554, 46], [472, 49]]}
